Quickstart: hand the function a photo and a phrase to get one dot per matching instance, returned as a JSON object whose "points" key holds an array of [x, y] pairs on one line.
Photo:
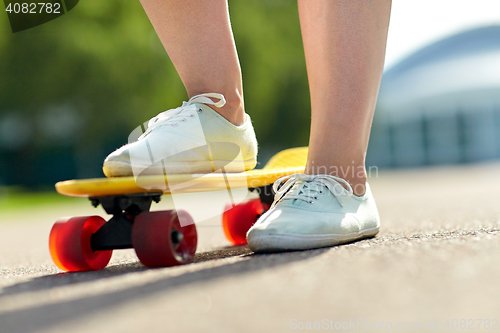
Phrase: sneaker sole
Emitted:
{"points": [[123, 169], [280, 243]]}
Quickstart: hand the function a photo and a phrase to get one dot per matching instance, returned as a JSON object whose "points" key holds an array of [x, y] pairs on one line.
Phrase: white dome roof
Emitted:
{"points": [[455, 72]]}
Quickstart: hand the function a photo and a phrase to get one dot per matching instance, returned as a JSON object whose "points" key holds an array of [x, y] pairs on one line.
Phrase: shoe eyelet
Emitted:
{"points": [[311, 202], [184, 120], [321, 192], [316, 198], [191, 115], [200, 110]]}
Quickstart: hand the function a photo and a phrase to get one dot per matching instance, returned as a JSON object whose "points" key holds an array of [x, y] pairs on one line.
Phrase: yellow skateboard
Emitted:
{"points": [[161, 238]]}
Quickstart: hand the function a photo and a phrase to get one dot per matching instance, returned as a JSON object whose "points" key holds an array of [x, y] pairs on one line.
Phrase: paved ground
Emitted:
{"points": [[433, 267]]}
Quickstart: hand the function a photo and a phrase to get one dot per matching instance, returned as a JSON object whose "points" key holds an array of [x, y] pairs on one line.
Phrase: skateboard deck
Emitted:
{"points": [[159, 238], [284, 163]]}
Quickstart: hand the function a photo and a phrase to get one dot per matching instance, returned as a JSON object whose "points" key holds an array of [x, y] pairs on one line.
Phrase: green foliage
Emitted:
{"points": [[17, 199], [103, 62], [268, 38]]}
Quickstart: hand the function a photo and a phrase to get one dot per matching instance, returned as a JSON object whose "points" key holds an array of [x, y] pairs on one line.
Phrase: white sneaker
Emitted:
{"points": [[313, 211], [192, 138]]}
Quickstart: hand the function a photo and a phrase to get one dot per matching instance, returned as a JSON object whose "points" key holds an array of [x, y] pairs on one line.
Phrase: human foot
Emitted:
{"points": [[192, 138], [313, 211]]}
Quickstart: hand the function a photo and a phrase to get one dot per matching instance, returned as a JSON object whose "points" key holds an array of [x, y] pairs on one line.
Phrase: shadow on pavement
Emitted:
{"points": [[47, 315], [74, 278]]}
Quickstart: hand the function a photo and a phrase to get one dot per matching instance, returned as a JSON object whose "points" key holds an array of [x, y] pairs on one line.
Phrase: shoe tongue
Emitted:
{"points": [[302, 188], [309, 189]]}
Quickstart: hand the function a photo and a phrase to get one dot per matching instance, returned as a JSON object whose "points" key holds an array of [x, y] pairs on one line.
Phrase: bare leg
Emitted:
{"points": [[198, 38], [344, 43]]}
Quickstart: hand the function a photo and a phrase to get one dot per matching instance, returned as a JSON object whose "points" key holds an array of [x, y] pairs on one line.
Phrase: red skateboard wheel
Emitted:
{"points": [[69, 244], [160, 241], [237, 221]]}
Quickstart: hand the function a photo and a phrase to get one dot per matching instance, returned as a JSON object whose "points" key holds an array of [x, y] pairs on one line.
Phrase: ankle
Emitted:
{"points": [[357, 181], [233, 111], [358, 188]]}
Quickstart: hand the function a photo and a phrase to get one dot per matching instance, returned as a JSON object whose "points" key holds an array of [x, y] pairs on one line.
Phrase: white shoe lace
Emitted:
{"points": [[173, 116], [313, 184]]}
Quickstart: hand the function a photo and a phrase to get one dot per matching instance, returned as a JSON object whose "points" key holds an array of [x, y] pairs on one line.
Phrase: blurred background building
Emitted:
{"points": [[441, 105]]}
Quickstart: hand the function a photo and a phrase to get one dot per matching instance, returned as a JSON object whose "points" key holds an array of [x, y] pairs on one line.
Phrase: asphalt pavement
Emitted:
{"points": [[433, 267]]}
